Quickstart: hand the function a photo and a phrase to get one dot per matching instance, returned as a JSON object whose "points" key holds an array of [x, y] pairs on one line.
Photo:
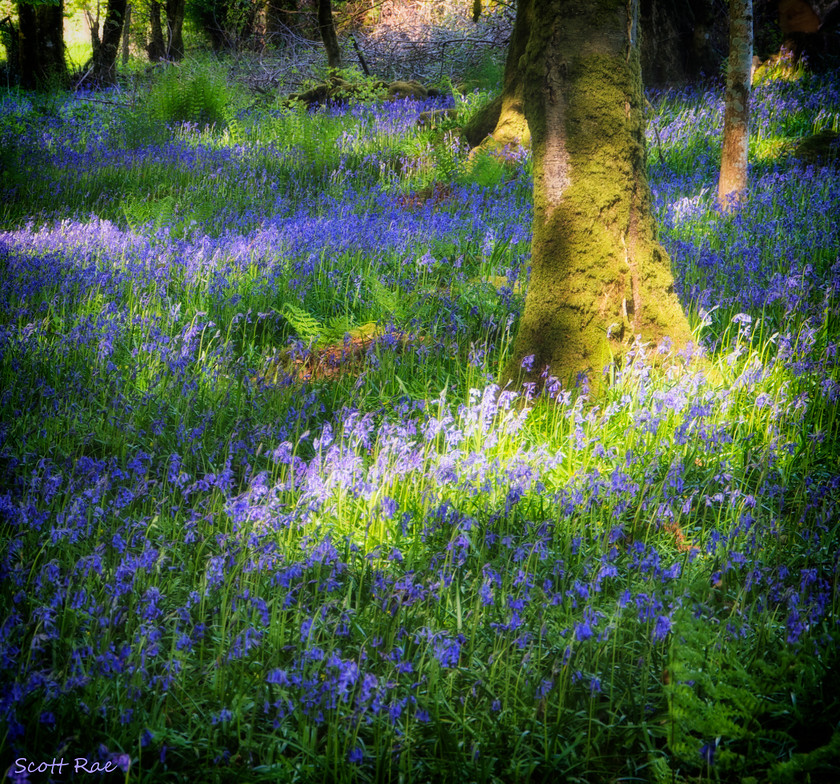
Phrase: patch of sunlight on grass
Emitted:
{"points": [[771, 148]]}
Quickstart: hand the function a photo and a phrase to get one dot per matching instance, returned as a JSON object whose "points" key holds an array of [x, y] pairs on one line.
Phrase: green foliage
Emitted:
{"points": [[714, 698], [738, 694], [486, 73], [305, 325], [488, 169], [746, 691], [361, 89], [194, 93], [154, 213]]}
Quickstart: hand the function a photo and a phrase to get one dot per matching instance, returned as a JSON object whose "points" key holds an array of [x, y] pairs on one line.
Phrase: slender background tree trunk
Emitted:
{"points": [[328, 36], [732, 183], [599, 277], [175, 10], [126, 37]]}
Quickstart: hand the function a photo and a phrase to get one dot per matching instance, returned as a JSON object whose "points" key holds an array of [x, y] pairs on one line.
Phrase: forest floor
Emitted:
{"points": [[265, 515]]}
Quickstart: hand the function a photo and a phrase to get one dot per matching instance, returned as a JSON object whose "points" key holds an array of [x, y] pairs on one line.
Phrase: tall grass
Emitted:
{"points": [[266, 516]]}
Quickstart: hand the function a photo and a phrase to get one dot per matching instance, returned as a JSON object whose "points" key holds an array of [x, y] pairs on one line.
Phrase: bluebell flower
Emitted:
{"points": [[661, 628], [707, 753], [222, 717], [583, 631]]}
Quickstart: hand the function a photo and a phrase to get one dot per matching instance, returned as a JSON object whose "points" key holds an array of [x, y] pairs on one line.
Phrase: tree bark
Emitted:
{"points": [[175, 10], [504, 117], [126, 37], [172, 46], [732, 183], [105, 50], [328, 36], [155, 49], [599, 277], [41, 44]]}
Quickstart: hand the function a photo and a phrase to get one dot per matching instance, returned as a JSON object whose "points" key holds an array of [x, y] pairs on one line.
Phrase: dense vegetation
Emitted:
{"points": [[266, 517]]}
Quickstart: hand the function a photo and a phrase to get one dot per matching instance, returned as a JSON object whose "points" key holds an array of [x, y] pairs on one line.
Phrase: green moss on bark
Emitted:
{"points": [[504, 117]]}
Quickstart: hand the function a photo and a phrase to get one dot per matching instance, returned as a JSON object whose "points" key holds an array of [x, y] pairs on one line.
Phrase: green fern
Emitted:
{"points": [[235, 129], [713, 696], [140, 213], [197, 95], [336, 328], [387, 302], [307, 326]]}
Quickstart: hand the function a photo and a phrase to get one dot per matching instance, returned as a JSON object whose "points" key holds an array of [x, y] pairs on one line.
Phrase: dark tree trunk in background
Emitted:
{"points": [[105, 50], [230, 24], [328, 36], [811, 28], [170, 46], [732, 183], [797, 16], [126, 37], [41, 44], [175, 10], [599, 277], [681, 39], [156, 48]]}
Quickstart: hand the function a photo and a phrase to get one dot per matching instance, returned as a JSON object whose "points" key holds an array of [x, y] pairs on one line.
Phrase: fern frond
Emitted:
{"points": [[306, 325], [387, 301]]}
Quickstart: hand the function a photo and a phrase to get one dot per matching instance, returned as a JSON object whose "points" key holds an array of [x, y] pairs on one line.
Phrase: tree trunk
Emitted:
{"points": [[736, 135], [328, 36], [126, 38], [175, 10], [599, 277], [41, 44], [105, 52], [504, 116], [680, 40], [155, 49]]}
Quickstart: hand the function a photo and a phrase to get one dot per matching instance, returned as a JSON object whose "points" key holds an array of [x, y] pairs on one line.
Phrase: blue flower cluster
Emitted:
{"points": [[363, 563]]}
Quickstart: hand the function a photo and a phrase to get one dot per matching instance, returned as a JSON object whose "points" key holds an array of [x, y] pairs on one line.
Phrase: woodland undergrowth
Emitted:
{"points": [[265, 515]]}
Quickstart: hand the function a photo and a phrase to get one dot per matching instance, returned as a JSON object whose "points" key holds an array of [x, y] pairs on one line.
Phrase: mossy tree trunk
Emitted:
{"points": [[328, 36], [41, 44], [504, 116], [106, 48], [732, 183], [599, 277]]}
